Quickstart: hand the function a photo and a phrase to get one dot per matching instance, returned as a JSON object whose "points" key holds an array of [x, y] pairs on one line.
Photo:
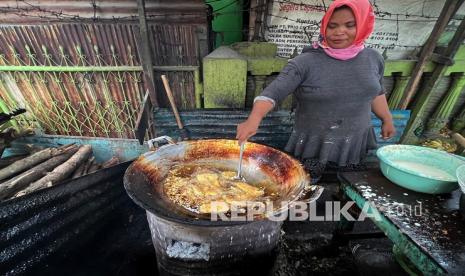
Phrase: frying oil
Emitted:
{"points": [[195, 186]]}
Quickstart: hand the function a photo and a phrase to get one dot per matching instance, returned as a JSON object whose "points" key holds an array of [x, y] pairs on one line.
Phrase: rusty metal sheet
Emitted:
{"points": [[44, 11], [95, 103]]}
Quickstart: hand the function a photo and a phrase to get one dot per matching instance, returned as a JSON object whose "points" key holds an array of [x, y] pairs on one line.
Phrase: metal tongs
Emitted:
{"points": [[239, 166]]}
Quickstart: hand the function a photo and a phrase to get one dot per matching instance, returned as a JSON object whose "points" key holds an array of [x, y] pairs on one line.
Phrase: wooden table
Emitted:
{"points": [[431, 235]]}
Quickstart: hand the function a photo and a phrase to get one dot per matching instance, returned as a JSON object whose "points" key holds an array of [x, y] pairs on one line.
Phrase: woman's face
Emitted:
{"points": [[341, 29]]}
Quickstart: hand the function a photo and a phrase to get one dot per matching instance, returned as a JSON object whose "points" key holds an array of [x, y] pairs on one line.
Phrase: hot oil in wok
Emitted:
{"points": [[196, 186]]}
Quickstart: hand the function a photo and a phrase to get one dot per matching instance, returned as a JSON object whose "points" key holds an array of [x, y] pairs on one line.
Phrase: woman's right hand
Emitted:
{"points": [[246, 129]]}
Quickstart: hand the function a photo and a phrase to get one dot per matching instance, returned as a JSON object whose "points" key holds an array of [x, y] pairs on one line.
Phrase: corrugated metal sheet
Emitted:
{"points": [[45, 11], [86, 103], [36, 226], [201, 124], [176, 45], [274, 130], [95, 103]]}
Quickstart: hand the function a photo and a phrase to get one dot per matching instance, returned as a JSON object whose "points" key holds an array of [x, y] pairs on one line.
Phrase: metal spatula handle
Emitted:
{"points": [[239, 166]]}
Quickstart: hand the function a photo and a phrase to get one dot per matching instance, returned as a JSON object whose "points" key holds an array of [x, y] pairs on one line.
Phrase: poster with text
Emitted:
{"points": [[401, 27]]}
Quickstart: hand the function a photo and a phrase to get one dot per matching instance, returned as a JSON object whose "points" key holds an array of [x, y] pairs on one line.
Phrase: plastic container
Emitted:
{"points": [[461, 177], [420, 169]]}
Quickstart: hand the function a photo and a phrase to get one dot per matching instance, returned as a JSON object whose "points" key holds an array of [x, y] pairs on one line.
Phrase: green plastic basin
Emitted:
{"points": [[461, 177], [420, 169]]}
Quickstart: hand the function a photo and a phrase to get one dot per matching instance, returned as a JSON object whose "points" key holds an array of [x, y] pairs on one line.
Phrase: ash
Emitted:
{"points": [[188, 250]]}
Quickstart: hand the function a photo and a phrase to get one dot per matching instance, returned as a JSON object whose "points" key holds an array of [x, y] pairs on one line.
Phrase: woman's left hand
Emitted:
{"points": [[388, 130]]}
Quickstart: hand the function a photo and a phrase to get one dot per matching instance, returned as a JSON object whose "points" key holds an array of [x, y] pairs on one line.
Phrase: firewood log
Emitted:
{"points": [[111, 162], [21, 181], [6, 161], [78, 172], [89, 163], [61, 172], [28, 162], [95, 167]]}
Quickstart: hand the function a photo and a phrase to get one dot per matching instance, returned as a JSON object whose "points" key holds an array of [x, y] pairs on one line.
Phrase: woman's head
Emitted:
{"points": [[341, 29], [347, 23]]}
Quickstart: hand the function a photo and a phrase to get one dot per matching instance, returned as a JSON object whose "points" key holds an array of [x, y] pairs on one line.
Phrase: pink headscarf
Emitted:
{"points": [[365, 21]]}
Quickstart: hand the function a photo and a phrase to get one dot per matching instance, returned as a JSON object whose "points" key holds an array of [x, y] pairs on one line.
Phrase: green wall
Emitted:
{"points": [[227, 21]]}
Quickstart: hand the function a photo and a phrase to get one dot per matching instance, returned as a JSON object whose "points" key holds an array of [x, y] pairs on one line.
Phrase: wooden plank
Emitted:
{"points": [[405, 67], [427, 227], [143, 119]]}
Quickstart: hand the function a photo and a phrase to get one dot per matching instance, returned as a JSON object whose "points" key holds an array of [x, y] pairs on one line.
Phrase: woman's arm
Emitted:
{"points": [[286, 82], [248, 128], [380, 107]]}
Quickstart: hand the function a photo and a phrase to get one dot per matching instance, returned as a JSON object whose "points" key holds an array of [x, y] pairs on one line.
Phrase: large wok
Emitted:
{"points": [[142, 179]]}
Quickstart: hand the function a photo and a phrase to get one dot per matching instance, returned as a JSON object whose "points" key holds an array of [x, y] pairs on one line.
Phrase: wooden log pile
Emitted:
{"points": [[46, 168]]}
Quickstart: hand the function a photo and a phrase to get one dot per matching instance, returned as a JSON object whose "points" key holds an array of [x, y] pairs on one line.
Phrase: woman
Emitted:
{"points": [[337, 84]]}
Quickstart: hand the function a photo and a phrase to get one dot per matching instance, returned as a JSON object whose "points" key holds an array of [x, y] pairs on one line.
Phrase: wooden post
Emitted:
{"points": [[145, 115], [446, 14], [143, 118], [146, 56], [259, 17], [252, 18]]}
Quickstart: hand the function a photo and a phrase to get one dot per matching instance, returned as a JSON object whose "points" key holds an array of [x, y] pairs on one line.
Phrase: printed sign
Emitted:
{"points": [[401, 25]]}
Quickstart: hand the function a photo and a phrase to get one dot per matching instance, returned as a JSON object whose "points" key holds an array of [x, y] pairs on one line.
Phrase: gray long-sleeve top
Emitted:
{"points": [[333, 115]]}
